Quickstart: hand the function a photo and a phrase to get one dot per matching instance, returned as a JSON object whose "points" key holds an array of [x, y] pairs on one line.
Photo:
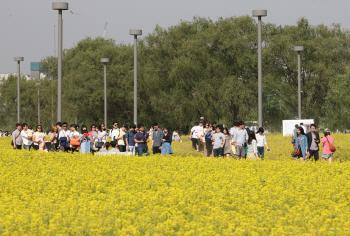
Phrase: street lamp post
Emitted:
{"points": [[60, 6], [105, 61], [299, 49], [19, 59], [38, 84], [135, 32], [259, 14]]}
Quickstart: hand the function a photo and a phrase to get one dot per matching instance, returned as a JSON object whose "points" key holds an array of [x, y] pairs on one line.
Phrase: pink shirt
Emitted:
{"points": [[326, 149]]}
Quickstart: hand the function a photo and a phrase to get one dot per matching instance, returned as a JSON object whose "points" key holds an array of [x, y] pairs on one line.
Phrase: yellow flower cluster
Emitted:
{"points": [[183, 194]]}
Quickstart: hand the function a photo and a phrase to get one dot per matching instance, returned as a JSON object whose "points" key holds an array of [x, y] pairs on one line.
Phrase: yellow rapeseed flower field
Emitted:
{"points": [[183, 194]]}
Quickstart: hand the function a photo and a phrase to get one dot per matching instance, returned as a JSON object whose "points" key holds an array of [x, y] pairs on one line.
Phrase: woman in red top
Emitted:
{"points": [[326, 140]]}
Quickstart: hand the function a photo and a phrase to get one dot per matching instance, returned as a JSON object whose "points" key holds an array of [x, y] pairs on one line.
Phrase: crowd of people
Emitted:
{"points": [[240, 142], [211, 139], [217, 140], [125, 140]]}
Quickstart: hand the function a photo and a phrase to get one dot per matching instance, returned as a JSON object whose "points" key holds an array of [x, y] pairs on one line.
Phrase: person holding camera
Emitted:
{"points": [[142, 138]]}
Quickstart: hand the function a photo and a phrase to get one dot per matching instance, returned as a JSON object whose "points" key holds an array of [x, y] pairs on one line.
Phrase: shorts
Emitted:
{"points": [[194, 141], [240, 151], [327, 156]]}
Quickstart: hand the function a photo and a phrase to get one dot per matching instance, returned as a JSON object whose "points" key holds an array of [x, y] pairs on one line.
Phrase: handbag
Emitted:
{"points": [[296, 151], [331, 146], [74, 142], [98, 144], [63, 141]]}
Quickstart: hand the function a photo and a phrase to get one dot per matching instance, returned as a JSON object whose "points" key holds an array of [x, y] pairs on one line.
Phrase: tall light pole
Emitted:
{"points": [[299, 49], [259, 14], [135, 32], [60, 6], [105, 61], [38, 84], [19, 59]]}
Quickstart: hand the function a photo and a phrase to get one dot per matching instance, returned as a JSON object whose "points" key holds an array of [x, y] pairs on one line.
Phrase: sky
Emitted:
{"points": [[27, 27]]}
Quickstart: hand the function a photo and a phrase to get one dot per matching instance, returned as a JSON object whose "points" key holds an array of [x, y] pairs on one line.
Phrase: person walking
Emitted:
{"points": [[27, 136], [16, 137], [194, 137], [327, 140], [261, 142], [208, 130], [300, 141], [227, 147], [240, 138], [167, 139], [252, 146], [157, 137], [142, 138], [54, 138], [39, 138], [313, 139], [219, 142]]}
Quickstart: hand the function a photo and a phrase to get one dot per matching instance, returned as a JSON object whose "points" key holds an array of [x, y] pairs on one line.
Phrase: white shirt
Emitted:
{"points": [[65, 134], [100, 134], [261, 140], [200, 131], [75, 134], [232, 130], [194, 132], [25, 138], [112, 133]]}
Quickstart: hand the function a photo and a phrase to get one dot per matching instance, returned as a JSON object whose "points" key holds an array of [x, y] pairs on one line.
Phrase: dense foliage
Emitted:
{"points": [[201, 68]]}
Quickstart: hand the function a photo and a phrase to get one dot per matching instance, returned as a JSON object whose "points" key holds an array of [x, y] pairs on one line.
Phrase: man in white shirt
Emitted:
{"points": [[194, 137], [113, 131], [26, 137], [200, 135]]}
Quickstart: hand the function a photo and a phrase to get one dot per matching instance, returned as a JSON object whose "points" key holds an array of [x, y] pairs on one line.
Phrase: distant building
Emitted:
{"points": [[35, 70]]}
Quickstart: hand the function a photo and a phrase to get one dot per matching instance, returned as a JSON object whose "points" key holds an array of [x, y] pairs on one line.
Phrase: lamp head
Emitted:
{"points": [[60, 6], [19, 58], [298, 48], [135, 32], [104, 60], [259, 12]]}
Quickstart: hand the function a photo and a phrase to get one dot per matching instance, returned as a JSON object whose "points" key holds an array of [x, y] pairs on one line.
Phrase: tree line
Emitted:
{"points": [[198, 68]]}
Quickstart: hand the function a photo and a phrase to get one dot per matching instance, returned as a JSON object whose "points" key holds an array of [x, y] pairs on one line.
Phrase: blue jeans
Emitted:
{"points": [[27, 147], [218, 152], [141, 151], [261, 152]]}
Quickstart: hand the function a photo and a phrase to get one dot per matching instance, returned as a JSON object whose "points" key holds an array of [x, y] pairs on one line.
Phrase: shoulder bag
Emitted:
{"points": [[63, 140], [331, 146], [296, 151]]}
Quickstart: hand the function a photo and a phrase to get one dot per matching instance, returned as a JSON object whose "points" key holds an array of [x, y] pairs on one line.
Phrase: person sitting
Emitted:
{"points": [[114, 148], [105, 147]]}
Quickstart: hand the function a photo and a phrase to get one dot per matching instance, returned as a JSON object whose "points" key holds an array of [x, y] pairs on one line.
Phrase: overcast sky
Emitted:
{"points": [[27, 27]]}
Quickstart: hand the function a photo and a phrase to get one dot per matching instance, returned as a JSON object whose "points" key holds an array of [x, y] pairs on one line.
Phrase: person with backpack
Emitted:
{"points": [[328, 145], [301, 147]]}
